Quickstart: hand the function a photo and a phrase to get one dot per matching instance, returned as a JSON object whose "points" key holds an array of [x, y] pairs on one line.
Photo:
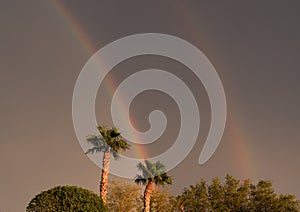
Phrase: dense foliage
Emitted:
{"points": [[124, 196], [234, 196], [66, 198], [161, 200]]}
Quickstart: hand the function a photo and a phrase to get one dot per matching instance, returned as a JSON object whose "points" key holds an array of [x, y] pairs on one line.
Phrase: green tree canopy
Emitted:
{"points": [[66, 198], [233, 195]]}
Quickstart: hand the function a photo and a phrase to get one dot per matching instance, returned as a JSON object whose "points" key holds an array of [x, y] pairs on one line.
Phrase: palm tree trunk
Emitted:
{"points": [[104, 176], [181, 208], [147, 196]]}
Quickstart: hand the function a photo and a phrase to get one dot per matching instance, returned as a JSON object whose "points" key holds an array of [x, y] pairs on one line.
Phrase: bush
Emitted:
{"points": [[66, 198]]}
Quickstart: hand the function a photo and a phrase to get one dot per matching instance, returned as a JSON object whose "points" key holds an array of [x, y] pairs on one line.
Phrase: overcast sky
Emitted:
{"points": [[254, 47]]}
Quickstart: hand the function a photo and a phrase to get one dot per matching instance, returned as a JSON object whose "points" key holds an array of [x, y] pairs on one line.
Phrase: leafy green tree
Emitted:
{"points": [[263, 197], [287, 203], [110, 142], [244, 196], [66, 198], [152, 174], [123, 196], [193, 197], [216, 193], [234, 196]]}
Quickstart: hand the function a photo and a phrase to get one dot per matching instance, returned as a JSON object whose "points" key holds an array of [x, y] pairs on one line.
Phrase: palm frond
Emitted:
{"points": [[115, 154], [139, 179], [99, 145], [113, 133], [145, 172], [94, 140], [119, 145], [153, 172], [92, 150], [149, 165], [159, 166], [163, 179], [109, 139]]}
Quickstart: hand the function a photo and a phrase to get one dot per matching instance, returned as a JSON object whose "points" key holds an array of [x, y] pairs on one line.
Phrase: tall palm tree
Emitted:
{"points": [[110, 142], [152, 174]]}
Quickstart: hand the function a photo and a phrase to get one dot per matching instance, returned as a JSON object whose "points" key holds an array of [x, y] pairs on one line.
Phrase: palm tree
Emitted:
{"points": [[110, 142], [152, 174]]}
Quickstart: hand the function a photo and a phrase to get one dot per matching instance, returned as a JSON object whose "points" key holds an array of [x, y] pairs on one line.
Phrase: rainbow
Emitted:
{"points": [[240, 145], [82, 38], [240, 149]]}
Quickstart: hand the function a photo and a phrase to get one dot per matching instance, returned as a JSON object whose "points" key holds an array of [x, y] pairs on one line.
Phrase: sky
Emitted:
{"points": [[254, 47]]}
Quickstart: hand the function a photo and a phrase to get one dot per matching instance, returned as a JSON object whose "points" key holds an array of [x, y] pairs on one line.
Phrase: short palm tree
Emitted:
{"points": [[152, 174], [110, 142]]}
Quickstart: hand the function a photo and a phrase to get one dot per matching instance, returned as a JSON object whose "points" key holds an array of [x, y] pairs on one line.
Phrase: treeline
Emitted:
{"points": [[231, 195], [235, 196]]}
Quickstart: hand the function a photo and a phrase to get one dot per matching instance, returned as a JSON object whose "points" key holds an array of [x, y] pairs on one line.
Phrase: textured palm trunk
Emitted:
{"points": [[181, 208], [147, 196], [104, 176]]}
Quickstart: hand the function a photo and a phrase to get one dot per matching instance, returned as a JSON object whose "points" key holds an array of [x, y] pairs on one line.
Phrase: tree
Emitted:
{"points": [[194, 197], [263, 198], [66, 198], [123, 196], [233, 195], [287, 203], [110, 142], [216, 194], [152, 174], [161, 200]]}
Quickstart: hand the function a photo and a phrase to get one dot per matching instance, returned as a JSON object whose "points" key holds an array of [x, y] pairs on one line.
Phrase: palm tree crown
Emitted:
{"points": [[152, 172], [108, 140]]}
